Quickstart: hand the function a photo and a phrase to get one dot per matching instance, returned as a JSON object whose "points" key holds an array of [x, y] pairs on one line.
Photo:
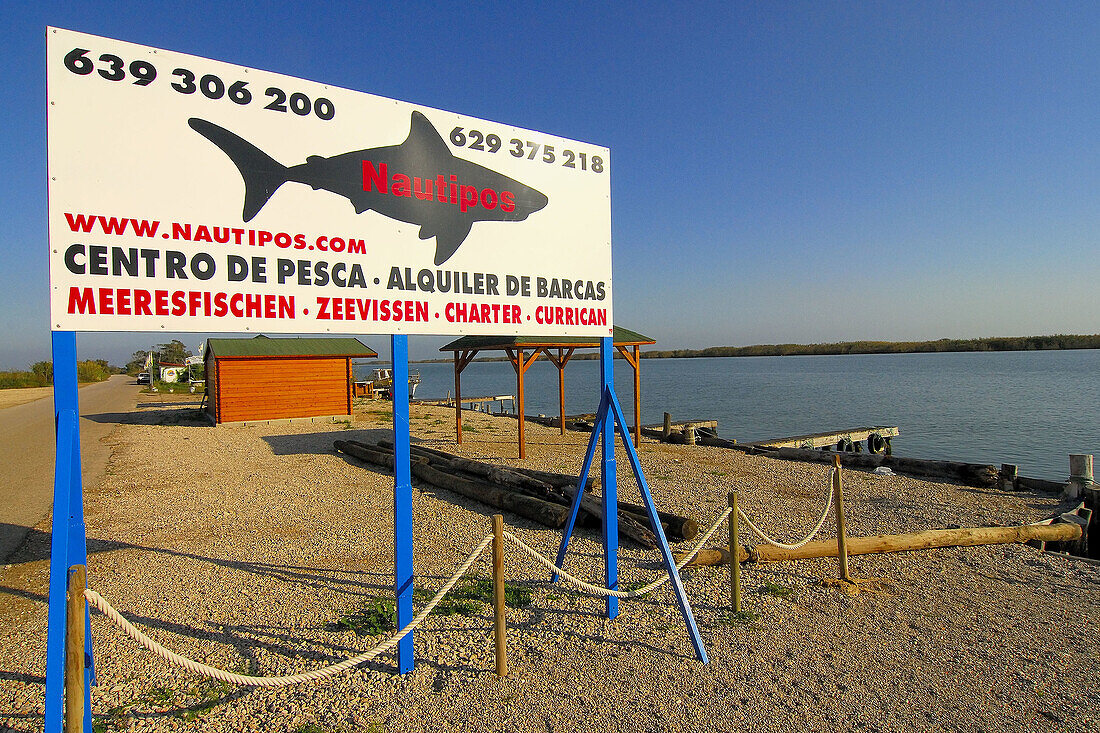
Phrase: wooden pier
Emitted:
{"points": [[706, 427], [846, 440]]}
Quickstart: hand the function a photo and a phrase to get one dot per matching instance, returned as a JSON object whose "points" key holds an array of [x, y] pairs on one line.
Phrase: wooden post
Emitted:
{"points": [[561, 389], [458, 400], [689, 434], [735, 565], [1080, 473], [667, 429], [637, 397], [522, 415], [841, 538], [500, 632], [74, 650]]}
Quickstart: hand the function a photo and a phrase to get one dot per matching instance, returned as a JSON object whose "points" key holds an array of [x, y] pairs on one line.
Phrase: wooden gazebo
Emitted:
{"points": [[559, 350]]}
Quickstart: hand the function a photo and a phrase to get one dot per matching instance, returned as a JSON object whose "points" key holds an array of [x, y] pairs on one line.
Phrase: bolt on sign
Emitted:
{"points": [[188, 194]]}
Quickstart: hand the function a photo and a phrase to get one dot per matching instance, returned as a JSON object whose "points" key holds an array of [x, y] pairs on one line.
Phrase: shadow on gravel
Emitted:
{"points": [[183, 416], [321, 443]]}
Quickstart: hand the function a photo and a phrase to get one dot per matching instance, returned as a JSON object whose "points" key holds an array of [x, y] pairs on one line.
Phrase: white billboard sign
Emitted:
{"points": [[187, 194]]}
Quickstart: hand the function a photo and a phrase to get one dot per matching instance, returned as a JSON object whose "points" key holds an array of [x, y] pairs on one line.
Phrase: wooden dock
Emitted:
{"points": [[839, 439], [479, 404], [706, 427]]}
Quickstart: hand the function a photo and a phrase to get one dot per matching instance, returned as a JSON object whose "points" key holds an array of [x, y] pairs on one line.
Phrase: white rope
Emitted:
{"points": [[317, 674], [600, 590], [813, 533]]}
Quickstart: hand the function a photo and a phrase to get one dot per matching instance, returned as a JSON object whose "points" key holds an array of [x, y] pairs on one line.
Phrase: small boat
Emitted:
{"points": [[381, 382]]}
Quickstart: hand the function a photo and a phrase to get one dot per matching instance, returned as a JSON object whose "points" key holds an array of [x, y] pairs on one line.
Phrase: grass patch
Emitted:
{"points": [[660, 477], [774, 589], [210, 694], [199, 699], [718, 473], [741, 618], [469, 596], [376, 616]]}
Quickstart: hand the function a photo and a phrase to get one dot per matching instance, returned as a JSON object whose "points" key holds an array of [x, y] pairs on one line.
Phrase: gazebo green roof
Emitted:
{"points": [[622, 337], [267, 346]]}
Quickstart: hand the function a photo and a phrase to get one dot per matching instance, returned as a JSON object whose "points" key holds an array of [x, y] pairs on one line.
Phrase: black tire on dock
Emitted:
{"points": [[875, 443]]}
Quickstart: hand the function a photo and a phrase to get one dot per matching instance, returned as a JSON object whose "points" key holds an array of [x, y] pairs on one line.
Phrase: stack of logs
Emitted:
{"points": [[540, 496]]}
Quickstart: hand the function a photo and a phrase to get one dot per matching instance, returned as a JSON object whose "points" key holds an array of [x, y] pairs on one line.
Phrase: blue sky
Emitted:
{"points": [[782, 172]]}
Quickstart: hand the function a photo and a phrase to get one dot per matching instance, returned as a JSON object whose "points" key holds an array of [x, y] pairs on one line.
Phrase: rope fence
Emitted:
{"points": [[99, 602], [317, 674], [813, 533]]}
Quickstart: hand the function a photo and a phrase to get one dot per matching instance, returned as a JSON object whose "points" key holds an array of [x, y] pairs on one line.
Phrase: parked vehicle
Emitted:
{"points": [[144, 378]]}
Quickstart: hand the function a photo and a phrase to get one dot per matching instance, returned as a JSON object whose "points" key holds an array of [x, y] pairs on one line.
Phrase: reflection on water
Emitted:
{"points": [[1029, 408]]}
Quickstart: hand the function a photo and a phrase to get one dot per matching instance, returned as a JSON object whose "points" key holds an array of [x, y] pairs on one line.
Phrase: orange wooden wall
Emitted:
{"points": [[273, 389]]}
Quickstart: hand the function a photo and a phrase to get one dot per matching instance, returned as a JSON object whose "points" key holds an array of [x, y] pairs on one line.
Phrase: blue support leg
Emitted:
{"points": [[589, 455], [68, 544], [402, 500], [610, 487], [655, 523]]}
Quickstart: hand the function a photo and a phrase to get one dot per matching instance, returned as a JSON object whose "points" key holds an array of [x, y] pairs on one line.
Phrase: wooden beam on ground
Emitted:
{"points": [[926, 540]]}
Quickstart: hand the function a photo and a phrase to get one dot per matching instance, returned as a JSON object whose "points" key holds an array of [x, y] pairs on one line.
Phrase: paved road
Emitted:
{"points": [[27, 453]]}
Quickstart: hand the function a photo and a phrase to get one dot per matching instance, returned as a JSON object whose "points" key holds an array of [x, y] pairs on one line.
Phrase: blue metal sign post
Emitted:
{"points": [[402, 499], [68, 542], [608, 415], [610, 484]]}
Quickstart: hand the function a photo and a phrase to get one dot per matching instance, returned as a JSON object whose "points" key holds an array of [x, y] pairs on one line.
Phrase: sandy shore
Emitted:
{"points": [[243, 547]]}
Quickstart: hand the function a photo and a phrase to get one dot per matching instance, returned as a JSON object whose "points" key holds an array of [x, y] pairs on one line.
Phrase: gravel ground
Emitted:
{"points": [[243, 547]]}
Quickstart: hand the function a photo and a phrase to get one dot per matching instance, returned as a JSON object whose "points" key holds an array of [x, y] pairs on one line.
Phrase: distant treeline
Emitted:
{"points": [[41, 374], [1014, 343]]}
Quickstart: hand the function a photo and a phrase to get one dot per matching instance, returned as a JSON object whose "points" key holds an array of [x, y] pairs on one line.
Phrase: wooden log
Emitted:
{"points": [[676, 527], [1038, 484], [629, 527], [927, 540], [366, 453], [716, 442], [554, 479], [972, 474], [537, 510]]}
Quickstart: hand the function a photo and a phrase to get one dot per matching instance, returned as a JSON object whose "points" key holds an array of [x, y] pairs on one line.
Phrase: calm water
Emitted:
{"points": [[1029, 408]]}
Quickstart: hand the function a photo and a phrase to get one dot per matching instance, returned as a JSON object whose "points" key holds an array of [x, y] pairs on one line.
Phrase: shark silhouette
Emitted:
{"points": [[418, 182]]}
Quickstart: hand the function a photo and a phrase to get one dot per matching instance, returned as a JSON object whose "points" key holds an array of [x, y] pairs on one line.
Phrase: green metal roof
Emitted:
{"points": [[622, 337], [265, 346]]}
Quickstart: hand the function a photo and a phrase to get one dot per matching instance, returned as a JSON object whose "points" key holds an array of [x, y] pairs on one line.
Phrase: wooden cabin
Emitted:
{"points": [[263, 378]]}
